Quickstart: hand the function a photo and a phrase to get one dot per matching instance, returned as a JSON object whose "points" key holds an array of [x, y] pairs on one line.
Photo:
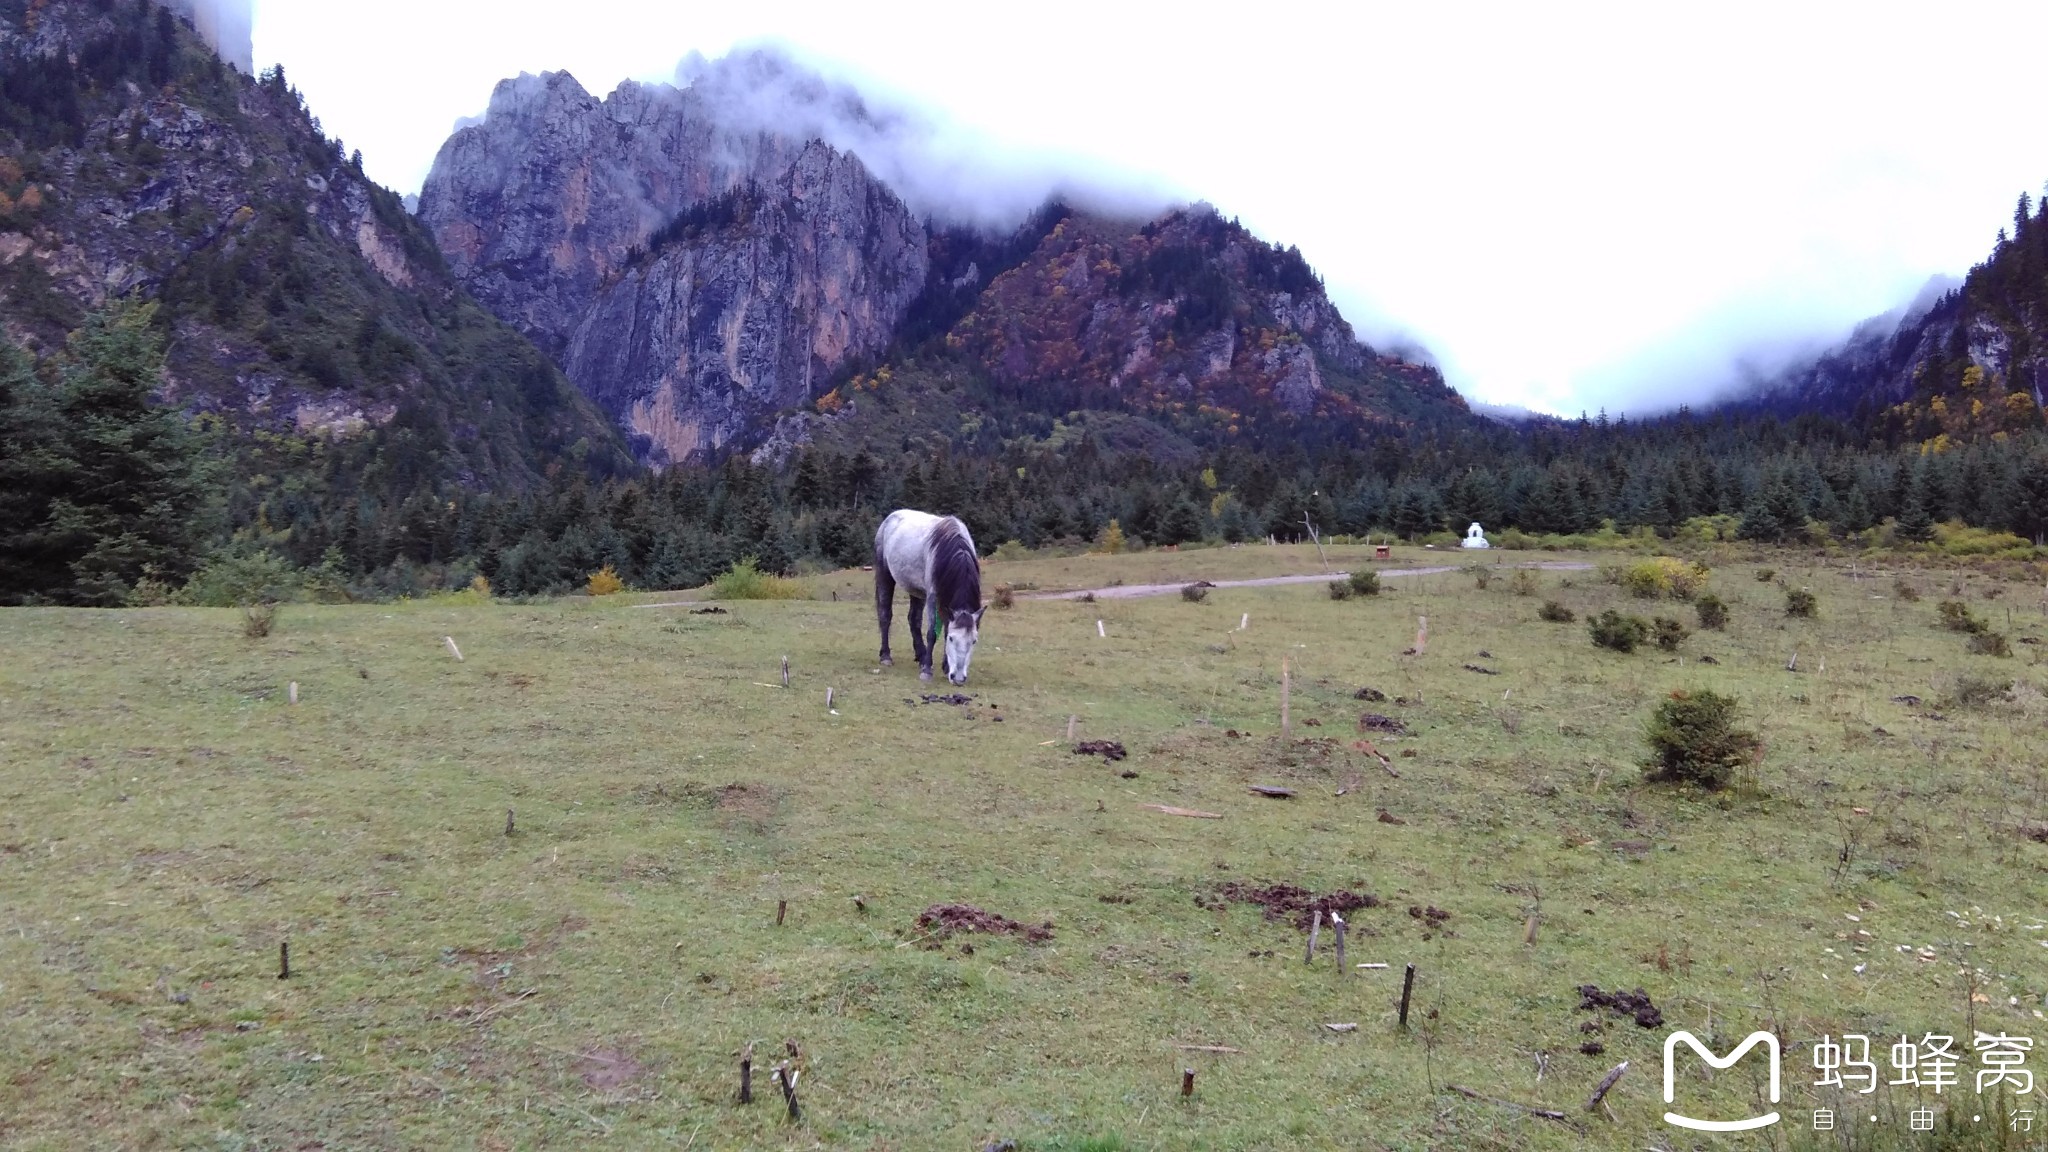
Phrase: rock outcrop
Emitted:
{"points": [[692, 277]]}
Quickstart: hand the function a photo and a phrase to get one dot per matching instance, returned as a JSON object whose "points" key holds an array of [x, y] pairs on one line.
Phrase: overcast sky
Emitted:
{"points": [[1569, 206]]}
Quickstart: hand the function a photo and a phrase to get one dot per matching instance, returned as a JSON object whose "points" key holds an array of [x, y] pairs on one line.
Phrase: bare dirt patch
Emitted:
{"points": [[1291, 901], [608, 1069], [941, 921]]}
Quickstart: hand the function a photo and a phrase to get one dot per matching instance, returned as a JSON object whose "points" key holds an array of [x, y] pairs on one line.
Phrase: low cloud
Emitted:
{"points": [[226, 25]]}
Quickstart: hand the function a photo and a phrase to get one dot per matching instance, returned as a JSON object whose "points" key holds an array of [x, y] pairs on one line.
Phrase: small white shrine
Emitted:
{"points": [[1475, 538]]}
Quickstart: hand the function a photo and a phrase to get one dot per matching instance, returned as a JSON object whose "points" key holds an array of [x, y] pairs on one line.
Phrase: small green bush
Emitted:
{"points": [[1523, 582], [1669, 633], [1194, 593], [1556, 613], [1957, 617], [1662, 576], [745, 581], [232, 580], [1482, 577], [1012, 550], [1801, 603], [1904, 590], [258, 619], [1365, 582], [1974, 691], [1713, 612], [1693, 739], [1766, 575], [1340, 589], [1988, 643], [1005, 596], [1611, 629]]}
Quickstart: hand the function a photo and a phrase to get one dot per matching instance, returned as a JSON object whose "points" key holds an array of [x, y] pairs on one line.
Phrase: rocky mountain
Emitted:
{"points": [[297, 298], [714, 277], [1963, 361], [691, 278]]}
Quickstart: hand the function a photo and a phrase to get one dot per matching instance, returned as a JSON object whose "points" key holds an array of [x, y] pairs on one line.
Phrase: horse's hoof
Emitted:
{"points": [[925, 675], [888, 663]]}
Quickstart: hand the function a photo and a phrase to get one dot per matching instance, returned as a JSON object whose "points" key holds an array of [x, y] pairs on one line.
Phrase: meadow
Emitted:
{"points": [[548, 893]]}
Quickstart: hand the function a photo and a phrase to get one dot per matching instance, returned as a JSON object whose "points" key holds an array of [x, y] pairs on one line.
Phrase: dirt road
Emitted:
{"points": [[1131, 591]]}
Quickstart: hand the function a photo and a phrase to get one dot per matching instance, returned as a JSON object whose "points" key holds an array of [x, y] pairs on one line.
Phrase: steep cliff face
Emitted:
{"points": [[691, 275], [297, 296]]}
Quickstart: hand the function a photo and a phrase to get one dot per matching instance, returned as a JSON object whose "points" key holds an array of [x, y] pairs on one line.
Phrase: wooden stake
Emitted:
{"points": [[452, 649], [828, 700], [1244, 622], [1099, 630], [1315, 929], [284, 960], [1071, 721], [1339, 922], [1600, 1093], [781, 909], [785, 671], [1407, 987], [1529, 932], [291, 692], [1286, 689], [860, 905], [508, 821], [747, 1073], [1187, 1083], [1421, 635], [786, 1076]]}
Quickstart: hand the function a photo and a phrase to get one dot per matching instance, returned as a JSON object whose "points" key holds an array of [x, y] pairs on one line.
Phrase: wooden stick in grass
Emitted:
{"points": [[1099, 631], [828, 700], [452, 649], [1315, 929], [292, 692], [786, 1077], [785, 671], [1407, 988], [747, 1073], [1529, 930], [1071, 721], [284, 960], [1545, 1113], [1286, 689], [1338, 922], [1606, 1085], [1187, 1083], [781, 910], [508, 821]]}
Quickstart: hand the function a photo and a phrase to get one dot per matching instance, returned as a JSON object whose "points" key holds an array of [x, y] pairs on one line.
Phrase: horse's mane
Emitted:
{"points": [[956, 571]]}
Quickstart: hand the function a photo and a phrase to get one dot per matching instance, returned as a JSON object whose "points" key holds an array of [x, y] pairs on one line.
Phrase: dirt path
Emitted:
{"points": [[1131, 591]]}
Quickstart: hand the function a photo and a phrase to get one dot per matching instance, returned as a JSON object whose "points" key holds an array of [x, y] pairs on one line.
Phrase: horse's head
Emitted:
{"points": [[961, 632]]}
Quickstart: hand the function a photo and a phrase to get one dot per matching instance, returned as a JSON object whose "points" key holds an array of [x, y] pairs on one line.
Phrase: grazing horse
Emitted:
{"points": [[934, 558]]}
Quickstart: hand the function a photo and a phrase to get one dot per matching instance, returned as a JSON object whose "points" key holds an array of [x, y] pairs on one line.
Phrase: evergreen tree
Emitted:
{"points": [[1916, 516], [1774, 513]]}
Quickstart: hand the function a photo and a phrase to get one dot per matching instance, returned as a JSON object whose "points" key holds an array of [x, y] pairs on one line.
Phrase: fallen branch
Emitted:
{"points": [[1542, 1113], [1170, 810], [1600, 1093], [1210, 1048]]}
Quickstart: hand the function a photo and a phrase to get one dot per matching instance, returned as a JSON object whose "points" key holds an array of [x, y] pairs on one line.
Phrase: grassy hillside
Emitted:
{"points": [[170, 817]]}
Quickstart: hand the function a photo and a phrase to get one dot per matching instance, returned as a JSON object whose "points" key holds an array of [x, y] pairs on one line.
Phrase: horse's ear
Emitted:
{"points": [[977, 615]]}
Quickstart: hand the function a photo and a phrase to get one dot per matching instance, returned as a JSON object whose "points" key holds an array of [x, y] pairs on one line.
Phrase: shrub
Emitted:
{"points": [[1194, 593], [1713, 612], [1556, 613], [604, 582], [1365, 582], [1611, 629], [1482, 577], [480, 586], [1766, 575], [1662, 576], [1005, 596], [258, 619], [1669, 633], [230, 580], [1012, 550], [1693, 739], [1905, 591], [745, 581], [1801, 603], [1974, 691], [1523, 582], [1340, 589], [1989, 643], [1957, 617]]}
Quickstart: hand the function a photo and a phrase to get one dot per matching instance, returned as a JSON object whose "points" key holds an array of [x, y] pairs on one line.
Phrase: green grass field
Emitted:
{"points": [[168, 817]]}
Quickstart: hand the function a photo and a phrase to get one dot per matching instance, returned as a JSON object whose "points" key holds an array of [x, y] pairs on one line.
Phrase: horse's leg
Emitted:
{"points": [[924, 651], [931, 639], [885, 601]]}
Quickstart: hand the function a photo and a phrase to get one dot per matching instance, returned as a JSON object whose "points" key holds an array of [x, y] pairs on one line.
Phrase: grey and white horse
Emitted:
{"points": [[933, 557]]}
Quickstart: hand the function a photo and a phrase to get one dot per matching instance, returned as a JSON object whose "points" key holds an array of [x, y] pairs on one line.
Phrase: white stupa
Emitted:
{"points": [[1475, 537]]}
